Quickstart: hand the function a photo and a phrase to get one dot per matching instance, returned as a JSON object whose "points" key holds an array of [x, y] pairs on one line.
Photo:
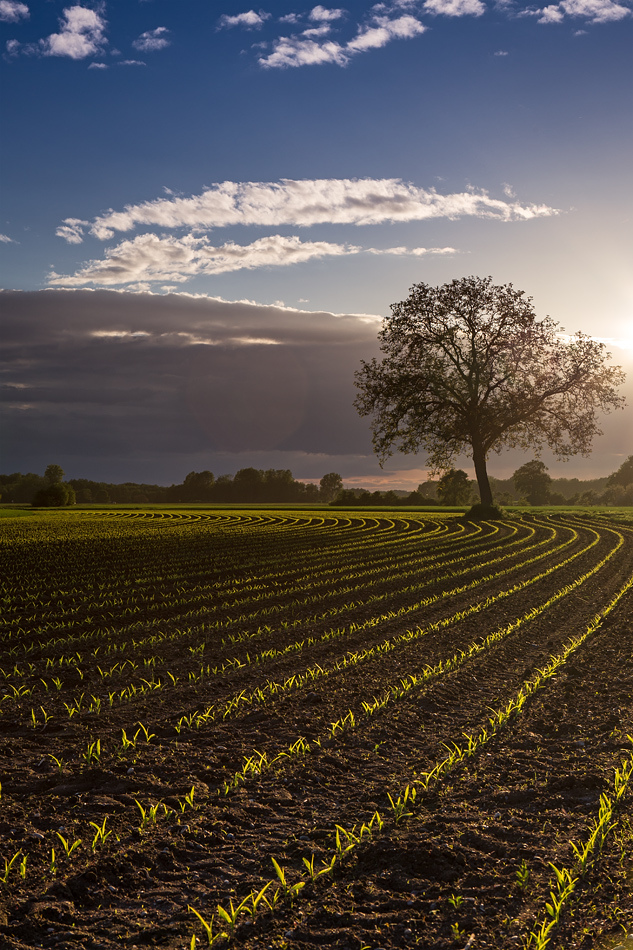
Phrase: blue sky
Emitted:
{"points": [[315, 162]]}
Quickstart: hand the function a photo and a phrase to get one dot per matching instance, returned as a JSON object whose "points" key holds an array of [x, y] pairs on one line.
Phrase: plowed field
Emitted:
{"points": [[306, 729]]}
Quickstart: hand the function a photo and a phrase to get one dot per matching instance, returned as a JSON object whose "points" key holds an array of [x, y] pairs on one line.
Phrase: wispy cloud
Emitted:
{"points": [[320, 13], [304, 203], [72, 229], [152, 40], [155, 258], [248, 21], [81, 35], [151, 258], [595, 11], [11, 12], [455, 7], [303, 50], [5, 239]]}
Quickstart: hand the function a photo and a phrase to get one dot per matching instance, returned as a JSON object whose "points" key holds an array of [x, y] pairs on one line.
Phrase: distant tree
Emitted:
{"points": [[468, 368], [533, 482], [624, 475], [454, 488], [54, 474], [197, 486], [428, 489], [84, 495], [57, 495], [330, 485], [102, 495]]}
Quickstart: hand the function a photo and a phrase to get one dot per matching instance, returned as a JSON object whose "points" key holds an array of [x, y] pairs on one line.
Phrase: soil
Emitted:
{"points": [[234, 596]]}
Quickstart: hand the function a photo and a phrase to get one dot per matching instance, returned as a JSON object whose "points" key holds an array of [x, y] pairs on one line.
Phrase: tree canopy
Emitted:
{"points": [[533, 481], [468, 368]]}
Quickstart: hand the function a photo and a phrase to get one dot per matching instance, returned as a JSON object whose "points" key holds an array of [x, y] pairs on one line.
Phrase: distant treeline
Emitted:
{"points": [[247, 485], [530, 484]]}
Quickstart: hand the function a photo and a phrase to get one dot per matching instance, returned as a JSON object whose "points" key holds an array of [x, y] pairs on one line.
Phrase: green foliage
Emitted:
{"points": [[330, 486], [454, 488], [57, 495], [532, 481]]}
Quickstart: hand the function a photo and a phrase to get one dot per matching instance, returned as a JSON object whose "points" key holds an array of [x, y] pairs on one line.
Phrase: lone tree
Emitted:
{"points": [[330, 486], [469, 368], [533, 481]]}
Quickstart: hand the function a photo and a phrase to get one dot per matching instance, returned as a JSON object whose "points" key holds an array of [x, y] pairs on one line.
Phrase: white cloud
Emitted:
{"points": [[595, 11], [289, 18], [551, 14], [72, 230], [5, 239], [320, 13], [81, 35], [317, 30], [13, 47], [383, 31], [11, 12], [413, 251], [98, 66], [131, 62], [501, 52], [302, 50], [154, 258], [249, 20], [295, 51], [455, 7], [152, 40], [308, 202], [150, 257]]}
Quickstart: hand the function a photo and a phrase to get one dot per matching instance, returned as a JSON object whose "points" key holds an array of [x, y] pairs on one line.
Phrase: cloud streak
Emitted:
{"points": [[304, 203], [248, 21], [595, 11], [303, 50], [152, 40], [149, 258]]}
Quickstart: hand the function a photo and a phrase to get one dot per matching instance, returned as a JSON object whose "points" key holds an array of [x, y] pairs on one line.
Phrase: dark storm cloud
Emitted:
{"points": [[103, 374]]}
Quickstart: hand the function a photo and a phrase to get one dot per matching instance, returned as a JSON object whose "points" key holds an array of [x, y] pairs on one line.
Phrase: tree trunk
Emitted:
{"points": [[479, 458]]}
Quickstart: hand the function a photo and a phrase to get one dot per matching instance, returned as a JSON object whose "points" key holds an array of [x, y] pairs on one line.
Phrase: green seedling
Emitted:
{"points": [[53, 862], [7, 867], [148, 735], [67, 846], [58, 762], [313, 873], [93, 752], [23, 867], [101, 835], [456, 900], [290, 891], [399, 807], [208, 928], [523, 875], [232, 915], [188, 800]]}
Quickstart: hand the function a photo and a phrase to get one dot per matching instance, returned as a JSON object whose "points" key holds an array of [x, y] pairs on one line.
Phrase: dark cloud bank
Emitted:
{"points": [[122, 386], [134, 386]]}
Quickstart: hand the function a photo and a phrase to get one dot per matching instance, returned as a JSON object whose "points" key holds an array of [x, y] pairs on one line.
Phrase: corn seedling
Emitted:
{"points": [[7, 867], [399, 807], [523, 875], [101, 835], [67, 846], [290, 891]]}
